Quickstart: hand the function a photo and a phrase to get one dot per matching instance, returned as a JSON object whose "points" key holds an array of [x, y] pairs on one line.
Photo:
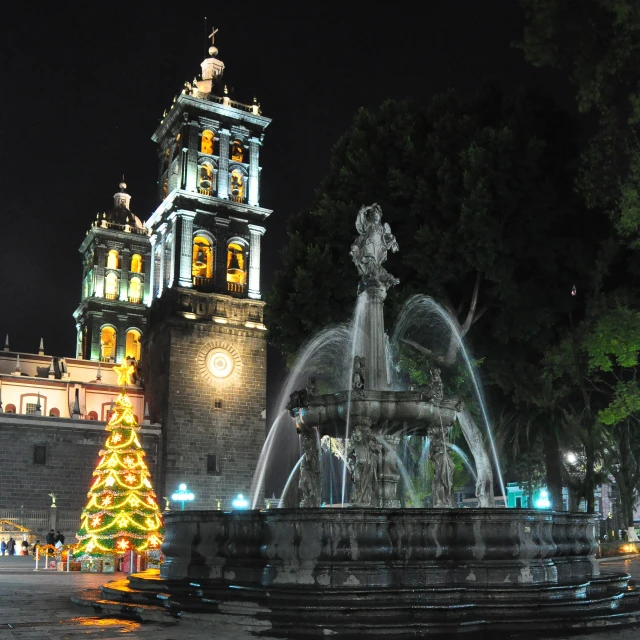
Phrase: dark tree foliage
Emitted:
{"points": [[479, 193]]}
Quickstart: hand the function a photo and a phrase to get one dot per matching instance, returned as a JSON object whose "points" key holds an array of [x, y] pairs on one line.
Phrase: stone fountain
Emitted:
{"points": [[370, 413], [374, 569]]}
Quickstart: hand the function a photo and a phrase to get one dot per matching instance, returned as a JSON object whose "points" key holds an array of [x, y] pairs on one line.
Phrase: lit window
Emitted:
{"points": [[136, 263], [235, 264], [133, 344], [31, 408], [237, 186], [237, 153], [111, 286], [135, 290], [113, 260], [206, 146], [202, 260], [108, 343], [206, 179]]}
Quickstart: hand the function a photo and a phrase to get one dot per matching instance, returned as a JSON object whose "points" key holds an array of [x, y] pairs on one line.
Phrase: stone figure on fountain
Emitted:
{"points": [[442, 483], [310, 482], [370, 249], [358, 373], [364, 457]]}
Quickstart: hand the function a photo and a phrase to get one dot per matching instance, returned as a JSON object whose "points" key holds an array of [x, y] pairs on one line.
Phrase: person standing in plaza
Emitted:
{"points": [[59, 537], [3, 547], [36, 544], [25, 548], [11, 545], [51, 538]]}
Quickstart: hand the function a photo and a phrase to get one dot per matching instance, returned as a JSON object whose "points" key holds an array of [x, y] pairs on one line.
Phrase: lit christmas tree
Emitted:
{"points": [[122, 513]]}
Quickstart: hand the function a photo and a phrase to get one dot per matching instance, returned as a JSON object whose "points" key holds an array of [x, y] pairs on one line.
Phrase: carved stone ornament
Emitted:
{"points": [[219, 364]]}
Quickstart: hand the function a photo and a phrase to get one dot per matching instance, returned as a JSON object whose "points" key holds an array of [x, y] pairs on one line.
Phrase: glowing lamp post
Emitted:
{"points": [[543, 500], [240, 502], [182, 495]]}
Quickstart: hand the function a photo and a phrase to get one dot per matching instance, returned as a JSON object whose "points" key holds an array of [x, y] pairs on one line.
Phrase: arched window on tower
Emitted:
{"points": [[206, 179], [135, 290], [108, 344], [208, 139], [136, 263], [202, 262], [236, 273], [113, 260], [237, 152], [133, 344], [237, 186], [111, 286]]}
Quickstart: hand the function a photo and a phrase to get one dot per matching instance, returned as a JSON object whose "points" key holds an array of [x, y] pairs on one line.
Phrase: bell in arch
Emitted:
{"points": [[201, 258], [235, 272]]}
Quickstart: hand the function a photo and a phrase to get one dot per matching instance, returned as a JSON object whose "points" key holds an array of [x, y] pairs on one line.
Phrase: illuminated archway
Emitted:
{"points": [[237, 186], [206, 145], [237, 152], [202, 258], [135, 290], [236, 271], [133, 344], [111, 286], [107, 343], [205, 183], [113, 260], [136, 263]]}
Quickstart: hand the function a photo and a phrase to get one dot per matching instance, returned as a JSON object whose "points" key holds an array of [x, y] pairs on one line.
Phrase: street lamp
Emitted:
{"points": [[543, 500], [240, 502], [182, 495]]}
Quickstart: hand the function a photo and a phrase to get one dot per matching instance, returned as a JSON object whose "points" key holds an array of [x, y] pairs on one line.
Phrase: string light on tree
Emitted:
{"points": [[122, 514]]}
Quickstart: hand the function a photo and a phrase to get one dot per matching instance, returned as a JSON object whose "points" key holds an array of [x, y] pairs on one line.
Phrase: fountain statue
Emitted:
{"points": [[374, 569], [370, 409]]}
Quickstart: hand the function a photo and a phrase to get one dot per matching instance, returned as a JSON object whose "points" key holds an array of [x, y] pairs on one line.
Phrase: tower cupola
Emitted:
{"points": [[212, 68], [121, 199]]}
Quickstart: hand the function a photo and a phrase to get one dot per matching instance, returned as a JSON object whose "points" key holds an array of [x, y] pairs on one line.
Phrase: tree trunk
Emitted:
{"points": [[553, 461]]}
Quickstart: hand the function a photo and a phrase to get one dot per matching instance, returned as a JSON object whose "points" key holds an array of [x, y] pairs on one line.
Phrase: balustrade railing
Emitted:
{"points": [[136, 300], [237, 198], [203, 284], [111, 296], [235, 287]]}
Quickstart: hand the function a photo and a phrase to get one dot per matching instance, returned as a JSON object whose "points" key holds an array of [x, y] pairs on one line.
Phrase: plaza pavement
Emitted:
{"points": [[37, 606]]}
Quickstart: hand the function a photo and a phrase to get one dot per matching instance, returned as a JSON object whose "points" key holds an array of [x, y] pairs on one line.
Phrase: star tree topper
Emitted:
{"points": [[125, 372]]}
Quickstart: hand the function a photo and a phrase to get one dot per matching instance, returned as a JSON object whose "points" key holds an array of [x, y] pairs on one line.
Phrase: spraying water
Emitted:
{"points": [[415, 502], [316, 358], [417, 318], [465, 459], [356, 336], [288, 482]]}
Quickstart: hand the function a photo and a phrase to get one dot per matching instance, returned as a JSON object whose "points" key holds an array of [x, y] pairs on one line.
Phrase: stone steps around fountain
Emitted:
{"points": [[385, 613], [95, 600]]}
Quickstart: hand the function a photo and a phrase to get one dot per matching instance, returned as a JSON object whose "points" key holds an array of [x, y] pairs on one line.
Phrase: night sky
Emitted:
{"points": [[85, 85]]}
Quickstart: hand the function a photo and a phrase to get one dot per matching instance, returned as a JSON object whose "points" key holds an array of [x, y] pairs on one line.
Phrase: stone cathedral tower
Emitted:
{"points": [[205, 349]]}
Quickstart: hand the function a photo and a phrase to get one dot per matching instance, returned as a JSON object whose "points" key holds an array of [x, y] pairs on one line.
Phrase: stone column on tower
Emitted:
{"points": [[254, 172], [254, 261], [99, 270], [125, 264], [192, 157], [185, 226], [161, 245], [223, 169], [150, 281]]}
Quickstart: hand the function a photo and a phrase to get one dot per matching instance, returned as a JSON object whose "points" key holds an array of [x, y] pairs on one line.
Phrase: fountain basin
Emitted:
{"points": [[370, 548], [398, 410]]}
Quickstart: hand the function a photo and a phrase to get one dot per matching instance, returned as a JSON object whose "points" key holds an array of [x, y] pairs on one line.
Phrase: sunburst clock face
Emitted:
{"points": [[219, 363]]}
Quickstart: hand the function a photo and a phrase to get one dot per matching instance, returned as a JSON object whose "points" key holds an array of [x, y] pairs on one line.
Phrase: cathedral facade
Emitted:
{"points": [[178, 295]]}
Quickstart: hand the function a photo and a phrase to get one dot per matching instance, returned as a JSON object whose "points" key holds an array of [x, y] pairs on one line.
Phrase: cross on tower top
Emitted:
{"points": [[212, 35]]}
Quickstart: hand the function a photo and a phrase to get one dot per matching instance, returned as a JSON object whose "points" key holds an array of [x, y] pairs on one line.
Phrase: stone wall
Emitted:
{"points": [[205, 416], [72, 453]]}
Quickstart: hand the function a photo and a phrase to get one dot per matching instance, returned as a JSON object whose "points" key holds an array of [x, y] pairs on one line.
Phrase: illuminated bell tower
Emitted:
{"points": [[205, 347], [112, 315]]}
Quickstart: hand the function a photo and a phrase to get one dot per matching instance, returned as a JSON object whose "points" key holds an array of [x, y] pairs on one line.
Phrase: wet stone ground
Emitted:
{"points": [[37, 606]]}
